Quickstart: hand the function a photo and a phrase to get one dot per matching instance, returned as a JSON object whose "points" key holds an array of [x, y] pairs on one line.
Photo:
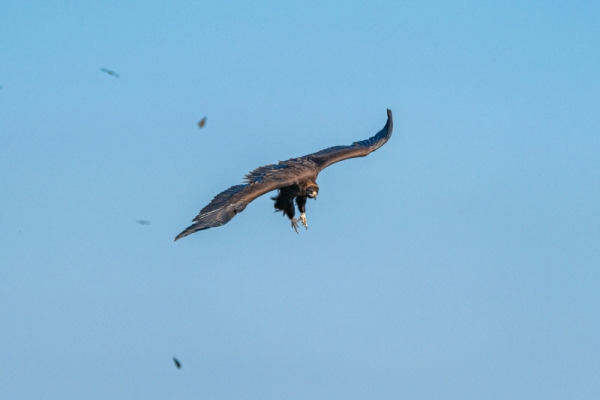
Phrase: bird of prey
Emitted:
{"points": [[177, 363], [295, 179], [202, 122], [110, 72]]}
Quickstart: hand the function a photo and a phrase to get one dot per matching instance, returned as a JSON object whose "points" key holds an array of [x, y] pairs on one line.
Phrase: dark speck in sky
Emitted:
{"points": [[109, 72], [177, 363]]}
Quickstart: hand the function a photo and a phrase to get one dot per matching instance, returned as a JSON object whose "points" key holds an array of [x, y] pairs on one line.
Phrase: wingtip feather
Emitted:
{"points": [[179, 237], [190, 229], [390, 120]]}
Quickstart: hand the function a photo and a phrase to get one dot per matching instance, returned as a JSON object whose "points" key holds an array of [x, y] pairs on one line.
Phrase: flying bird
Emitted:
{"points": [[295, 178], [177, 363], [110, 72], [202, 122]]}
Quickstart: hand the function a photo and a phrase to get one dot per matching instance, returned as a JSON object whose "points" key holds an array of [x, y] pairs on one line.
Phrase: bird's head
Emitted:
{"points": [[312, 191]]}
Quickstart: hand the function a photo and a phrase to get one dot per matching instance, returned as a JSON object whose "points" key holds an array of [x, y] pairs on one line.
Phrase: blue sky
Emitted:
{"points": [[459, 261]]}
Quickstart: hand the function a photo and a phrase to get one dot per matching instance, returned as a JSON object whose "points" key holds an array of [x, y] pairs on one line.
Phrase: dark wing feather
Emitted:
{"points": [[325, 158], [262, 180]]}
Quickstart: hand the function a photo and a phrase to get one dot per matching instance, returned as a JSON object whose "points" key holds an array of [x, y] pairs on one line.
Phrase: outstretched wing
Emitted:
{"points": [[326, 157], [262, 180]]}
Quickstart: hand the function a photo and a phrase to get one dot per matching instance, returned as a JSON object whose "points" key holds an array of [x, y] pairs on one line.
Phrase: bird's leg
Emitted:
{"points": [[303, 220], [284, 202], [290, 211], [301, 202], [295, 224]]}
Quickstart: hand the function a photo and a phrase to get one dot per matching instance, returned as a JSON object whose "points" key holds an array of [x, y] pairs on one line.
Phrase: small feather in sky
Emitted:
{"points": [[109, 72], [177, 363]]}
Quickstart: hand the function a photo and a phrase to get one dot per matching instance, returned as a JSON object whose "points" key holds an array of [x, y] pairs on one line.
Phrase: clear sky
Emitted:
{"points": [[459, 261]]}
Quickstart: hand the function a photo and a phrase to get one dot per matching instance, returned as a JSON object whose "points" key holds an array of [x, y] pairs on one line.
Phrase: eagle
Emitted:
{"points": [[295, 179]]}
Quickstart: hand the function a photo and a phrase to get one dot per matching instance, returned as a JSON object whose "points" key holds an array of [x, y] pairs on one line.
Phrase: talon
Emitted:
{"points": [[303, 220], [295, 224]]}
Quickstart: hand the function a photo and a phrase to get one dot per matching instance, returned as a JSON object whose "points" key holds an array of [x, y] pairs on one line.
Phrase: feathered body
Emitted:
{"points": [[294, 178]]}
